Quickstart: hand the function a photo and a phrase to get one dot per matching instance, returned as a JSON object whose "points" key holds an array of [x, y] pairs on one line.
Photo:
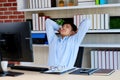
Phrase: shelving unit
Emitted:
{"points": [[94, 39], [89, 45], [22, 7], [101, 45], [90, 31]]}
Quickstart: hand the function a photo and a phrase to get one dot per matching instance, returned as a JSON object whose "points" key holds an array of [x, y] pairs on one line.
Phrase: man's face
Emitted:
{"points": [[66, 30]]}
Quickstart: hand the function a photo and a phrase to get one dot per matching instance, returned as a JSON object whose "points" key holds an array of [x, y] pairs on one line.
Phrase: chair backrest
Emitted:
{"points": [[79, 58]]}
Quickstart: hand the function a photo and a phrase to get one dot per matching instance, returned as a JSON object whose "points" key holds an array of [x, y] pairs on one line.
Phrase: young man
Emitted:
{"points": [[63, 49]]}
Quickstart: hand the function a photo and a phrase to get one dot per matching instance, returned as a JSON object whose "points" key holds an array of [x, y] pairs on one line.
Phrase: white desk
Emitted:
{"points": [[29, 75]]}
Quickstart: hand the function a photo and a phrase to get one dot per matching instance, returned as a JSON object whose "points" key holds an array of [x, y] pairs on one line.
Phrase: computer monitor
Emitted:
{"points": [[15, 42]]}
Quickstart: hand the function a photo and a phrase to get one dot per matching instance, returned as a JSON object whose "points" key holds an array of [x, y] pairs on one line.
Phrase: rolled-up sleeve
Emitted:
{"points": [[51, 27]]}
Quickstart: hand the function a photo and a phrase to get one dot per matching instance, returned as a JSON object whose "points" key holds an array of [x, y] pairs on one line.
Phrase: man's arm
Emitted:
{"points": [[82, 30], [51, 27]]}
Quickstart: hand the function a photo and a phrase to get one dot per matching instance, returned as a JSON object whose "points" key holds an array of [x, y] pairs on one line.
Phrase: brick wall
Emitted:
{"points": [[9, 13]]}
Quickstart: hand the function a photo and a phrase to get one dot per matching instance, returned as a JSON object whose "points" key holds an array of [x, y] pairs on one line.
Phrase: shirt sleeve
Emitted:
{"points": [[51, 27], [82, 30]]}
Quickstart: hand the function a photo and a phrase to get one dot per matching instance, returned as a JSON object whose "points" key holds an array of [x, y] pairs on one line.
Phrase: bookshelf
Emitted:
{"points": [[22, 7], [90, 31], [109, 38], [89, 45]]}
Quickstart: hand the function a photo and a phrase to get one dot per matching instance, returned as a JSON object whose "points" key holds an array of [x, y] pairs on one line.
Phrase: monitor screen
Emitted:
{"points": [[16, 42]]}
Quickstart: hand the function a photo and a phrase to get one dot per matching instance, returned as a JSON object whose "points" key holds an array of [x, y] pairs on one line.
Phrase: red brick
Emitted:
{"points": [[3, 1], [14, 4], [13, 8], [3, 9], [23, 20], [1, 5], [1, 13], [13, 17], [16, 12], [7, 20], [8, 12], [7, 4], [1, 21], [21, 16], [3, 17], [11, 0], [18, 20]]}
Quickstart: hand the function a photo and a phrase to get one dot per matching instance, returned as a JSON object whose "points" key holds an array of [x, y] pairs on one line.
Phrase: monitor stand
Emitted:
{"points": [[8, 73]]}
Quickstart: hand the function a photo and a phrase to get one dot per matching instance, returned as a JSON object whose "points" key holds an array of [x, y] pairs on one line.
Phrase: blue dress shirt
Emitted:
{"points": [[63, 51]]}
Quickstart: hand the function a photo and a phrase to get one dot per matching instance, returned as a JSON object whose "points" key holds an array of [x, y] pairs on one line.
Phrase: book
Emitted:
{"points": [[86, 3], [114, 22], [84, 0], [36, 4], [103, 59], [53, 3], [92, 59], [83, 71], [118, 59], [98, 21], [102, 21], [111, 59], [104, 72], [107, 60], [113, 1], [91, 19], [33, 22], [95, 21], [107, 19], [31, 5], [97, 2], [115, 60], [99, 59], [103, 2], [96, 59], [39, 4], [43, 3]]}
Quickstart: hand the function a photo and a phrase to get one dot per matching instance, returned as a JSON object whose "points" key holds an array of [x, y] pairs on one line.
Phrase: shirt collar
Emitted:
{"points": [[61, 39]]}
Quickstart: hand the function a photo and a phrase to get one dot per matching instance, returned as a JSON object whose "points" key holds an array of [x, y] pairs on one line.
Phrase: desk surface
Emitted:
{"points": [[29, 75]]}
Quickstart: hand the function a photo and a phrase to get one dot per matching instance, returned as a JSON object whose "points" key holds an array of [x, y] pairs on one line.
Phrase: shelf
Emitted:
{"points": [[40, 45], [71, 7], [90, 31], [87, 45], [38, 31], [101, 45], [105, 31], [41, 32]]}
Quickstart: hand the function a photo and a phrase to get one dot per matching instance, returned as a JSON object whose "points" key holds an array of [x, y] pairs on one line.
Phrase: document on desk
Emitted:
{"points": [[84, 71], [104, 72], [61, 71]]}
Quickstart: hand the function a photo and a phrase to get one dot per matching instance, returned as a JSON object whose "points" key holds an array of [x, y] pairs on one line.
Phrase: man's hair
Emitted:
{"points": [[74, 27]]}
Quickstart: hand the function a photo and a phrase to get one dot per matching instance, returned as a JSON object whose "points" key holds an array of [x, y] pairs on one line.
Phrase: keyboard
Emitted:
{"points": [[30, 68], [59, 71]]}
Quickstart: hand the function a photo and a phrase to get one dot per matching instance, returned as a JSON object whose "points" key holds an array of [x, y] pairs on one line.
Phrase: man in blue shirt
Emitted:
{"points": [[63, 49]]}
